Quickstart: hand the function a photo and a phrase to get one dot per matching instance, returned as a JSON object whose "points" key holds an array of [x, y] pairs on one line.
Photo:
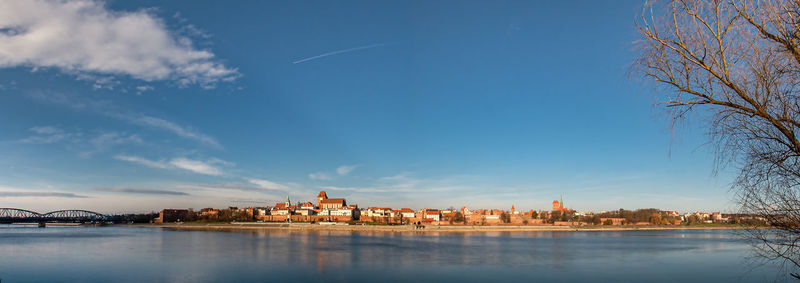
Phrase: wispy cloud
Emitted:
{"points": [[159, 123], [88, 143], [405, 182], [161, 164], [195, 166], [269, 185], [340, 171], [99, 82], [83, 36], [141, 191], [319, 176], [106, 108], [338, 52], [106, 140], [230, 186], [46, 130], [143, 88], [40, 194], [346, 169], [111, 138], [46, 134]]}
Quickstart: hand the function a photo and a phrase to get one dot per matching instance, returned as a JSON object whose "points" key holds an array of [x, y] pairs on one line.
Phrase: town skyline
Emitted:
{"points": [[198, 112], [332, 210]]}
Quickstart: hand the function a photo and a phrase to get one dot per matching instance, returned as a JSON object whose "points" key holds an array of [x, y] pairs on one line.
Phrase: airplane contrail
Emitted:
{"points": [[339, 52]]}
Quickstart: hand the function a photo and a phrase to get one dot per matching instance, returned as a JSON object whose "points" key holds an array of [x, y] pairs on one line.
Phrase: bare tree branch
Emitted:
{"points": [[739, 61]]}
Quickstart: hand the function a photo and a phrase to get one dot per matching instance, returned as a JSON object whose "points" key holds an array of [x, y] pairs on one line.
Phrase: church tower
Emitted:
{"points": [[322, 196]]}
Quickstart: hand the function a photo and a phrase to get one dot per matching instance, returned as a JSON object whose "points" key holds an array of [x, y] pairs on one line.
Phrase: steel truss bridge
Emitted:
{"points": [[16, 215]]}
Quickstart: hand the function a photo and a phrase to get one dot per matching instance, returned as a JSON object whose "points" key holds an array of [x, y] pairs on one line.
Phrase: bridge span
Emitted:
{"points": [[17, 215]]}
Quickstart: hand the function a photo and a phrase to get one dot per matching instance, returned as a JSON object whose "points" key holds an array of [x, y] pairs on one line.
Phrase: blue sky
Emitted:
{"points": [[124, 106]]}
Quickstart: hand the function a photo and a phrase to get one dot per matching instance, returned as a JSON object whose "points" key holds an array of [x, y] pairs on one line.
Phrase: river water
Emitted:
{"points": [[143, 254]]}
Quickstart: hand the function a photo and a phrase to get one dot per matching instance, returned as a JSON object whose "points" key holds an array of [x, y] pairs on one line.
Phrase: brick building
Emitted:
{"points": [[323, 202], [172, 215]]}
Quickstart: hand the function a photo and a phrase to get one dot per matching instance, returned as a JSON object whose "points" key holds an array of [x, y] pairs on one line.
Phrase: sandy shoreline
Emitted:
{"points": [[408, 228]]}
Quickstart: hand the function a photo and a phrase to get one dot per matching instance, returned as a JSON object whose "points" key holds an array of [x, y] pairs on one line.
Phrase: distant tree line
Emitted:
{"points": [[134, 218], [651, 215]]}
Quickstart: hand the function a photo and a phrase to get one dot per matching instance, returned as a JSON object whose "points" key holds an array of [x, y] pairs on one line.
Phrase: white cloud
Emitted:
{"points": [[169, 126], [360, 189], [319, 176], [161, 164], [14, 192], [398, 177], [99, 82], [88, 143], [181, 163], [143, 88], [341, 171], [108, 109], [83, 36], [196, 166], [269, 185], [221, 162], [48, 134], [141, 191], [47, 130], [111, 138], [6, 194], [345, 169], [106, 140], [223, 187]]}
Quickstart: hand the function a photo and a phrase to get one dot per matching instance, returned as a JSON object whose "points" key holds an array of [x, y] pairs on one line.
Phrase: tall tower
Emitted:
{"points": [[288, 202], [562, 202], [322, 196]]}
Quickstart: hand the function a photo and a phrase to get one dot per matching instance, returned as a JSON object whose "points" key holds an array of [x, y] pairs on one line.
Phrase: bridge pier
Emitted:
{"points": [[42, 225]]}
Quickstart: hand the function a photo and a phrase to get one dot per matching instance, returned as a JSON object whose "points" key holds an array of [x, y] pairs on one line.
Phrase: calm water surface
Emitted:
{"points": [[134, 254]]}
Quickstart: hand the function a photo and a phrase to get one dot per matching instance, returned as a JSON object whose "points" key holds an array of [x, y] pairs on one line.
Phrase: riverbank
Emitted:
{"points": [[411, 228]]}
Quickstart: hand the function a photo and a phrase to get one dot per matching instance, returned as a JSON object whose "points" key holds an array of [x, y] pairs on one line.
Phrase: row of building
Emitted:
{"points": [[337, 209]]}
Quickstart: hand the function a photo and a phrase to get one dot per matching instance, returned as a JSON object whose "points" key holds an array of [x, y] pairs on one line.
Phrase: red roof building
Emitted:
{"points": [[332, 203], [324, 202]]}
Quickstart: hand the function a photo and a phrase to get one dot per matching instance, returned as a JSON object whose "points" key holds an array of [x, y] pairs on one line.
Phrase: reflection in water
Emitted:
{"points": [[152, 254]]}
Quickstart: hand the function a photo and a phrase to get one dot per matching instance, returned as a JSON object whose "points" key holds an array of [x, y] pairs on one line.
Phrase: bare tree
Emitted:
{"points": [[738, 61]]}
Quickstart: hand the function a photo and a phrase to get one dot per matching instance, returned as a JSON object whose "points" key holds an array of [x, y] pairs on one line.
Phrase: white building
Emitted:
{"points": [[337, 212], [433, 214], [405, 213], [305, 211], [378, 211]]}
